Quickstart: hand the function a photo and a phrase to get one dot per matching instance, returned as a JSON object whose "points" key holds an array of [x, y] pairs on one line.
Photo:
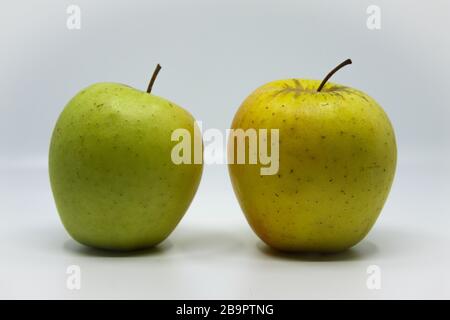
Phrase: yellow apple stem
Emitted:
{"points": [[152, 80], [330, 74]]}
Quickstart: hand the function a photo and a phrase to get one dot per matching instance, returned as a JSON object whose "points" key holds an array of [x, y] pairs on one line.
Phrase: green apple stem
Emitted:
{"points": [[152, 80], [330, 74]]}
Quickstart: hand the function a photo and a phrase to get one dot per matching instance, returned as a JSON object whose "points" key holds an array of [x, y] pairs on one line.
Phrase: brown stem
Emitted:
{"points": [[322, 84], [152, 80]]}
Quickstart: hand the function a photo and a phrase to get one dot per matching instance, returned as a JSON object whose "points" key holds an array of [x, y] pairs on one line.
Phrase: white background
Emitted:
{"points": [[213, 55]]}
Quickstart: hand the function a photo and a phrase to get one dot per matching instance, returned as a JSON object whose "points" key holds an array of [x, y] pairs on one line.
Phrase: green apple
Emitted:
{"points": [[337, 159], [111, 173]]}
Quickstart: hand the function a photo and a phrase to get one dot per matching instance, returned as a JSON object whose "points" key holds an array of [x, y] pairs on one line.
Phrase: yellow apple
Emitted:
{"points": [[337, 159]]}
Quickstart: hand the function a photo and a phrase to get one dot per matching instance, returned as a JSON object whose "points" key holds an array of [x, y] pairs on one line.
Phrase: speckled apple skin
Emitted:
{"points": [[337, 163], [111, 173]]}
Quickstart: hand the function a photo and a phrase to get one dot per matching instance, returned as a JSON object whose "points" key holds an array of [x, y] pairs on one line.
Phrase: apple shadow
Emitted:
{"points": [[361, 251], [79, 249], [195, 242]]}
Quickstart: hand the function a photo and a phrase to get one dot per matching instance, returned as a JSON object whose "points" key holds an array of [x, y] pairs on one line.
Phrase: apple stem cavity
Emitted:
{"points": [[330, 74], [152, 80]]}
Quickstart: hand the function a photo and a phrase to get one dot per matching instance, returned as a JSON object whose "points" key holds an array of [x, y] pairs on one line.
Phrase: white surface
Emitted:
{"points": [[214, 254]]}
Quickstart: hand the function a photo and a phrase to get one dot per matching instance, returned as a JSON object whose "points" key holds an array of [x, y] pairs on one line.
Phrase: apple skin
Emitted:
{"points": [[337, 161], [110, 167]]}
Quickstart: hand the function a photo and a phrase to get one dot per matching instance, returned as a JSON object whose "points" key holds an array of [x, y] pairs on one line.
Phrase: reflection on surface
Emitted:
{"points": [[362, 251], [79, 249]]}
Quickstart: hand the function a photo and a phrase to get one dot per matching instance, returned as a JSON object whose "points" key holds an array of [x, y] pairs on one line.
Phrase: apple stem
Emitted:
{"points": [[330, 74], [152, 80]]}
